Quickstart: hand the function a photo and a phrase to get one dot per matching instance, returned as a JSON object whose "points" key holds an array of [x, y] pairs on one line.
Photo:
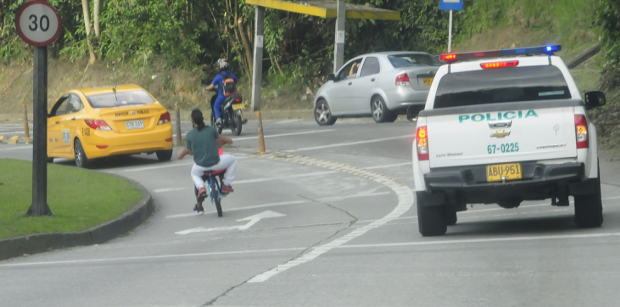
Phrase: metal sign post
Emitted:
{"points": [[38, 23], [450, 5]]}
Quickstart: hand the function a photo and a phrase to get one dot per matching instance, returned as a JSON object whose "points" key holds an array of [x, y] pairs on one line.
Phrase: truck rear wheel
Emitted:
{"points": [[450, 217], [431, 219], [589, 208]]}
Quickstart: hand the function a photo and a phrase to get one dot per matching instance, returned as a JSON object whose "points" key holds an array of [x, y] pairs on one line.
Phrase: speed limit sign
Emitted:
{"points": [[38, 23]]}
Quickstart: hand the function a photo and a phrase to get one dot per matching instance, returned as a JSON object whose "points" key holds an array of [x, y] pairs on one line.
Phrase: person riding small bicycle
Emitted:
{"points": [[203, 142], [223, 66]]}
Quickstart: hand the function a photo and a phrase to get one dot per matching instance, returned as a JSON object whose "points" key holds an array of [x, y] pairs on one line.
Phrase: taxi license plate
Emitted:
{"points": [[510, 171], [237, 106], [134, 124], [428, 81]]}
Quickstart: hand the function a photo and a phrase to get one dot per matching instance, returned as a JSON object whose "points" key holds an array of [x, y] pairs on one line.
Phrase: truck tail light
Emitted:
{"points": [[164, 118], [581, 127], [421, 141], [97, 124], [403, 80], [502, 64]]}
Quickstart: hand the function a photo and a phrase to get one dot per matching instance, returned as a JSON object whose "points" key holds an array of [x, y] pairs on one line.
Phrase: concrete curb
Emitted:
{"points": [[39, 243]]}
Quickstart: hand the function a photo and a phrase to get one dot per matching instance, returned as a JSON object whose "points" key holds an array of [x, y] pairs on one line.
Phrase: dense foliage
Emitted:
{"points": [[194, 33], [609, 20]]}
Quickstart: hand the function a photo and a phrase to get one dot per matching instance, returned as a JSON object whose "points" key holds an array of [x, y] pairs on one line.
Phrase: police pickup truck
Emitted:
{"points": [[501, 127]]}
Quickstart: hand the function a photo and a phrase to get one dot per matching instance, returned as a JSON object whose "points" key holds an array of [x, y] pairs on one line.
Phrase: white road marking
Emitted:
{"points": [[251, 221], [350, 143], [405, 200], [166, 165], [16, 148], [281, 135], [168, 190], [293, 249], [505, 239], [286, 203], [389, 165], [287, 178], [288, 121], [148, 168]]}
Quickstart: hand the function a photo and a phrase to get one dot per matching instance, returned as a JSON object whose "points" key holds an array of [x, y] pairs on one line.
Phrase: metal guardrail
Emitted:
{"points": [[584, 56]]}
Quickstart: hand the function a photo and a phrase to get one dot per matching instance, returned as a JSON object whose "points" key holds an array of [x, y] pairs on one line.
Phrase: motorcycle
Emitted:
{"points": [[231, 110]]}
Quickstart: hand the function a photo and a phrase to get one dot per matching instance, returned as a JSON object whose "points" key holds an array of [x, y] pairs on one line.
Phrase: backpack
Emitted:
{"points": [[228, 86]]}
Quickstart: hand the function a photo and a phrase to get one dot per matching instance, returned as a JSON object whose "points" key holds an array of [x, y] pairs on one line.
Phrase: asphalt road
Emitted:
{"points": [[325, 218]]}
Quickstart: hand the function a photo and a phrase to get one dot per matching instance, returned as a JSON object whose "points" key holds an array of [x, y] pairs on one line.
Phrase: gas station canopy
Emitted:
{"points": [[321, 8], [327, 9]]}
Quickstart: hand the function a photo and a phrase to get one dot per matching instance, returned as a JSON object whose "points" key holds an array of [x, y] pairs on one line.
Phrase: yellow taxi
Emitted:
{"points": [[90, 123]]}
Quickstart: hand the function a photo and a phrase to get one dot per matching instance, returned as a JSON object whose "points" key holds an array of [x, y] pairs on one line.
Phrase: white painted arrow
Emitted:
{"points": [[251, 221]]}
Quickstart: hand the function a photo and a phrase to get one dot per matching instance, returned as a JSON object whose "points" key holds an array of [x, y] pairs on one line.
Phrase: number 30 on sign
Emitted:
{"points": [[38, 23]]}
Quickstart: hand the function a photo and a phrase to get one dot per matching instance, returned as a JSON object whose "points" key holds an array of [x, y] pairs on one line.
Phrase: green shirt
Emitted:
{"points": [[203, 146]]}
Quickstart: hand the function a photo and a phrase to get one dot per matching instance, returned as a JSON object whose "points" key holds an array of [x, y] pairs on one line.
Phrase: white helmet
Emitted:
{"points": [[222, 64]]}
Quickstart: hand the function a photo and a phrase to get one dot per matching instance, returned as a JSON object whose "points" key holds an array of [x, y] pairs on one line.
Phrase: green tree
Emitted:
{"points": [[608, 12]]}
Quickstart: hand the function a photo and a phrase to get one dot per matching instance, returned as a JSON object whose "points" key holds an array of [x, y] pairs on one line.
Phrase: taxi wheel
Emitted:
{"points": [[380, 112], [164, 155], [322, 114], [80, 156]]}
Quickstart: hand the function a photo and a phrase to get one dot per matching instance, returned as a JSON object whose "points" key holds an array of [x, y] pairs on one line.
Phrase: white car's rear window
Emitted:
{"points": [[412, 59]]}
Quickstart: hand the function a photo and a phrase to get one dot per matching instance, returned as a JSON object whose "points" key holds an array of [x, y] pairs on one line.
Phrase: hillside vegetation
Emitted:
{"points": [[169, 46]]}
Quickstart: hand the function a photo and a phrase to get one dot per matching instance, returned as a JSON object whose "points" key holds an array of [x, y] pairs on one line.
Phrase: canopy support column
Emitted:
{"points": [[339, 41]]}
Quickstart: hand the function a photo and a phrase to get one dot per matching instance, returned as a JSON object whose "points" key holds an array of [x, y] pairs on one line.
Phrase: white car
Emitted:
{"points": [[381, 85], [502, 130]]}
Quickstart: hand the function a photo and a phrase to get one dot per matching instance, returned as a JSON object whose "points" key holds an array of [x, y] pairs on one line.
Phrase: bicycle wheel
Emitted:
{"points": [[216, 196]]}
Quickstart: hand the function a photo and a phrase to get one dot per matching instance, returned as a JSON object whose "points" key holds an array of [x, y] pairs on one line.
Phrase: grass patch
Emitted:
{"points": [[79, 199]]}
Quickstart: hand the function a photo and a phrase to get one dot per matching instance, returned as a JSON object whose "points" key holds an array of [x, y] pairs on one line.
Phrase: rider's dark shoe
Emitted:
{"points": [[202, 194], [199, 210], [227, 189]]}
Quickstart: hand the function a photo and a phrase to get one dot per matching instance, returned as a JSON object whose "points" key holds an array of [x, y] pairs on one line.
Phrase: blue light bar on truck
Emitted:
{"points": [[453, 57]]}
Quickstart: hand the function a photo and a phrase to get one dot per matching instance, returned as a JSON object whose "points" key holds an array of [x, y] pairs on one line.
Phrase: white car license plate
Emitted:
{"points": [[134, 124]]}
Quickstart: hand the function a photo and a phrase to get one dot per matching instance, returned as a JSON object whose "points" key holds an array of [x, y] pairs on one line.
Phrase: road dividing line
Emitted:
{"points": [[389, 165], [142, 258], [148, 168], [168, 190], [16, 148], [350, 143], [505, 239], [281, 135], [405, 200], [288, 121], [158, 166]]}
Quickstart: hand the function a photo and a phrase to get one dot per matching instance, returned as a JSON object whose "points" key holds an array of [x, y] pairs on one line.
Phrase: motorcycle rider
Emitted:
{"points": [[223, 66]]}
